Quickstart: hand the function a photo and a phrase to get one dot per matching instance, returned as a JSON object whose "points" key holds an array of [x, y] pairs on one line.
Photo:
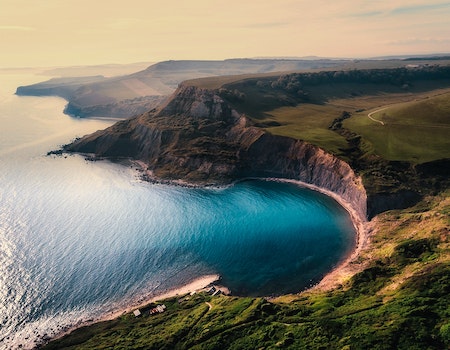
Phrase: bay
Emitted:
{"points": [[79, 239]]}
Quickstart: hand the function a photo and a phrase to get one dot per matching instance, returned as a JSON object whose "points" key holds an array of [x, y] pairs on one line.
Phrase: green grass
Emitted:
{"points": [[417, 120], [416, 132], [308, 122]]}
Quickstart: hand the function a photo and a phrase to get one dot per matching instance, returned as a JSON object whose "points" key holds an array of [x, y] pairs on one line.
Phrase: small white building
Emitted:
{"points": [[137, 313]]}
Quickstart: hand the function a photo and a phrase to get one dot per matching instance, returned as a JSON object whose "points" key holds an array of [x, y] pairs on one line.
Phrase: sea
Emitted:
{"points": [[81, 239]]}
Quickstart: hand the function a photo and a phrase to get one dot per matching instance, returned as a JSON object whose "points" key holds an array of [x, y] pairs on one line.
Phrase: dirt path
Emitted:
{"points": [[376, 120], [209, 305]]}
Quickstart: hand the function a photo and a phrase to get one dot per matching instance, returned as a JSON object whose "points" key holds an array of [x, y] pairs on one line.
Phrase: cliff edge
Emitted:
{"points": [[199, 138]]}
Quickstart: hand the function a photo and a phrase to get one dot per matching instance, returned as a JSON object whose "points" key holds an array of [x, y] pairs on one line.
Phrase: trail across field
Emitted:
{"points": [[376, 120]]}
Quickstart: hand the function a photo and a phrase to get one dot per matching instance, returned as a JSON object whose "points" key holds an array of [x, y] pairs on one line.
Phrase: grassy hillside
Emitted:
{"points": [[416, 131], [331, 109], [399, 300], [419, 111]]}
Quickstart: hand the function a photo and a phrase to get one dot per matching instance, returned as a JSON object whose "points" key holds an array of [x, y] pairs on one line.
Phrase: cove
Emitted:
{"points": [[270, 238], [81, 239]]}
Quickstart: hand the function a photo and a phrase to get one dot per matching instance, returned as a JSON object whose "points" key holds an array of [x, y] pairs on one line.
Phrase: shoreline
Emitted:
{"points": [[197, 284], [343, 270], [335, 277], [346, 268]]}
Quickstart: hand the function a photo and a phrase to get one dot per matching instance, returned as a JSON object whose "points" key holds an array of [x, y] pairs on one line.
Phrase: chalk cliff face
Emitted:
{"points": [[283, 157], [198, 137]]}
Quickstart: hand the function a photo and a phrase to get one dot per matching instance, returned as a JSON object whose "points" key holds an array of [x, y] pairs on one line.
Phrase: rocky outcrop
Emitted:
{"points": [[380, 202], [198, 137], [283, 157], [198, 103]]}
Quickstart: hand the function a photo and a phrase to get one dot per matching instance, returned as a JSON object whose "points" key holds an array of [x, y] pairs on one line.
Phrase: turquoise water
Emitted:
{"points": [[79, 239]]}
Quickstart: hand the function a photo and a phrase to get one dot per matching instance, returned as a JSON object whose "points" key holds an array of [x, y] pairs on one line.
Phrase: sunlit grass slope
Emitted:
{"points": [[413, 105], [416, 123], [309, 122], [417, 131]]}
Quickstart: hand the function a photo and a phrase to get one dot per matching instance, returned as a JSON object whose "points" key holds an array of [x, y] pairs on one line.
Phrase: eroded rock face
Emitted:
{"points": [[283, 157], [196, 136], [198, 104]]}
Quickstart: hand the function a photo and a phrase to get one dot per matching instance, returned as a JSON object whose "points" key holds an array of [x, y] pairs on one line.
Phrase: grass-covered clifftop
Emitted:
{"points": [[315, 107], [391, 125]]}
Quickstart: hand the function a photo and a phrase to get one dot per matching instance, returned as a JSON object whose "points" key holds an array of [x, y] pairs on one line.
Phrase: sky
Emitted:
{"points": [[83, 32]]}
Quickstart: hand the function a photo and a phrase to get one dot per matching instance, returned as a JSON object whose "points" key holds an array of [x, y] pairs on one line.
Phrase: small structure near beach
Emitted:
{"points": [[217, 292], [137, 313], [158, 309]]}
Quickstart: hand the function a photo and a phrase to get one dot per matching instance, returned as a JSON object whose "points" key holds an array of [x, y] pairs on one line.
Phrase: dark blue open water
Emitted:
{"points": [[78, 239]]}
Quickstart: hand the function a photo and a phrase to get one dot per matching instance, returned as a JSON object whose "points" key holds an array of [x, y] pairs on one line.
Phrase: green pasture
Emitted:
{"points": [[417, 131], [416, 125], [307, 122], [416, 120]]}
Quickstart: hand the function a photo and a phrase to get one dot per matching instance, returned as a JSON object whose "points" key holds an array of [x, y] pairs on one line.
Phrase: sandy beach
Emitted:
{"points": [[196, 285]]}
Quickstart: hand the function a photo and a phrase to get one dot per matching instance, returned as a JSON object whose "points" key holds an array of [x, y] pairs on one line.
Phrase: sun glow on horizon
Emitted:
{"points": [[53, 32]]}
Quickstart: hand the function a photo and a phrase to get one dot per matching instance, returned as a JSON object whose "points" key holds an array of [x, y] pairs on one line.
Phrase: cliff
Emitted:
{"points": [[198, 137], [283, 157]]}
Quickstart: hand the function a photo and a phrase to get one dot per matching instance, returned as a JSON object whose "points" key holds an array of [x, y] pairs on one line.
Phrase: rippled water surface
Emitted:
{"points": [[79, 239]]}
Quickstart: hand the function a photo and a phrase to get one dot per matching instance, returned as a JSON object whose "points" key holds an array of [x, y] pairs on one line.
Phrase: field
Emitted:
{"points": [[307, 122], [417, 131], [415, 124]]}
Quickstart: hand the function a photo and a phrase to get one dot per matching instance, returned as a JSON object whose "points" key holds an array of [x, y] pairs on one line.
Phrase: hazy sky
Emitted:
{"points": [[72, 32]]}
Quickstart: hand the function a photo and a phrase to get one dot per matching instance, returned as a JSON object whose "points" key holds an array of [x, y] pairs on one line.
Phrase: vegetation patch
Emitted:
{"points": [[410, 108], [407, 127], [414, 250]]}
